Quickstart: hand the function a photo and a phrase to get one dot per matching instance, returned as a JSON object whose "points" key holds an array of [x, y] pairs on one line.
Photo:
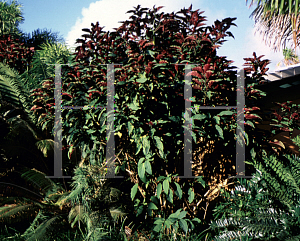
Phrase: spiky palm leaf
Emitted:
{"points": [[45, 146], [94, 203], [267, 206], [289, 58], [45, 185], [13, 213], [45, 231], [13, 91], [11, 17], [44, 60], [278, 21], [16, 209]]}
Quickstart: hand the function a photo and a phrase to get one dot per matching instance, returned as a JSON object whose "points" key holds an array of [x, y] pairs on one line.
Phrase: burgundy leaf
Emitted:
{"points": [[251, 116], [194, 73]]}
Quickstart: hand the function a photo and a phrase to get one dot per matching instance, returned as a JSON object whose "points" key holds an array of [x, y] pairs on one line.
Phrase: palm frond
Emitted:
{"points": [[17, 212], [46, 230], [116, 214], [44, 60], [13, 91], [267, 206], [45, 146], [276, 22], [39, 179]]}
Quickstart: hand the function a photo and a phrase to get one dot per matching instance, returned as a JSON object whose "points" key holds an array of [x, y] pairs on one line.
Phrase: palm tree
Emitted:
{"points": [[278, 21], [10, 18]]}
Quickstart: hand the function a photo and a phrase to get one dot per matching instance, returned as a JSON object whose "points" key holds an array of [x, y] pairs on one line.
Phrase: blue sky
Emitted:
{"points": [[68, 17]]}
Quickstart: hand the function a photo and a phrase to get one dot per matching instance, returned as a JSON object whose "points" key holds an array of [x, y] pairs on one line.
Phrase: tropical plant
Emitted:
{"points": [[289, 58], [37, 204], [43, 63], [10, 18], [41, 36], [266, 206], [15, 54], [278, 21], [147, 48], [149, 118]]}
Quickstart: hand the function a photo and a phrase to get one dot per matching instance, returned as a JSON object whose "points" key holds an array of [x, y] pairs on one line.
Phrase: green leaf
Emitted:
{"points": [[151, 53], [250, 123], [200, 180], [130, 128], [183, 225], [191, 195], [142, 78], [152, 206], [146, 145], [141, 171], [219, 129], [134, 191], [140, 210], [178, 192], [174, 118], [154, 199], [253, 153], [133, 106], [160, 178], [158, 190], [196, 220], [194, 137], [209, 94], [217, 118], [170, 196], [168, 223], [151, 86], [89, 131], [166, 186], [199, 117], [176, 214], [138, 147], [182, 214], [159, 146], [225, 112], [148, 167], [157, 228], [247, 139], [134, 117], [121, 83]]}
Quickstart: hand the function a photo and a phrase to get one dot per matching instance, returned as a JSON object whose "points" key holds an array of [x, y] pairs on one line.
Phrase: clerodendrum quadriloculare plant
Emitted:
{"points": [[266, 206], [149, 106], [149, 109]]}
